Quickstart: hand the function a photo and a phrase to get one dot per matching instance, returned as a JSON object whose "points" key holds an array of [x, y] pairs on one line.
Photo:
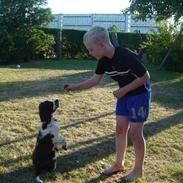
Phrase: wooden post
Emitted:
{"points": [[114, 39], [59, 44]]}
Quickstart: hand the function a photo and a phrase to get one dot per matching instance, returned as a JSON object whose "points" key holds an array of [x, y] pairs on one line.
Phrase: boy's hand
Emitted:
{"points": [[66, 86], [69, 87], [119, 93]]}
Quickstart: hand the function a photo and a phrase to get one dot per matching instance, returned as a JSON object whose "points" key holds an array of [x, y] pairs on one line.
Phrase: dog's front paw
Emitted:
{"points": [[60, 143], [64, 144], [64, 147]]}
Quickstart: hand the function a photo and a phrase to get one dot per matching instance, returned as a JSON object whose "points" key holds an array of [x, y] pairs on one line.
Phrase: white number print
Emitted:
{"points": [[140, 112]]}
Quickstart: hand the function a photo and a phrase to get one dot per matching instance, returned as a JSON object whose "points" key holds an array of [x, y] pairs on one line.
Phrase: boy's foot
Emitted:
{"points": [[135, 174], [114, 169]]}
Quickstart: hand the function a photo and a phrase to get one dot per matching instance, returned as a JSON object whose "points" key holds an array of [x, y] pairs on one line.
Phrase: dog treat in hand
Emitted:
{"points": [[65, 86]]}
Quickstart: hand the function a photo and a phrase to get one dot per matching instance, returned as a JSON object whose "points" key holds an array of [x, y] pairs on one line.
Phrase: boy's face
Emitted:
{"points": [[96, 50]]}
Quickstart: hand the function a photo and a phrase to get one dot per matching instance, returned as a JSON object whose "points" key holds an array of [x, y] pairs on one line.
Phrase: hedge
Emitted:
{"points": [[72, 42]]}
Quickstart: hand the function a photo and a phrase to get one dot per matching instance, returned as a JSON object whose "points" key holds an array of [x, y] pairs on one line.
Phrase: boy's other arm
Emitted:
{"points": [[131, 86], [93, 81]]}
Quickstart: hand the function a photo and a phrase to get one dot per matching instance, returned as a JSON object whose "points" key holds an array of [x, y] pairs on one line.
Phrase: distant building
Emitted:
{"points": [[125, 23]]}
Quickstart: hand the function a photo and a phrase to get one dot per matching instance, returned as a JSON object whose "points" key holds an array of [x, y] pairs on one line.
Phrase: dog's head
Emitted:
{"points": [[46, 109]]}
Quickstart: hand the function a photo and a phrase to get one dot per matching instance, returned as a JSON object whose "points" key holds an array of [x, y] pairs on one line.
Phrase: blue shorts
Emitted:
{"points": [[135, 107]]}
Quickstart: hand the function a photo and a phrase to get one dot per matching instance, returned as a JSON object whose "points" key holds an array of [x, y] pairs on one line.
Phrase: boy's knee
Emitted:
{"points": [[121, 130], [135, 135]]}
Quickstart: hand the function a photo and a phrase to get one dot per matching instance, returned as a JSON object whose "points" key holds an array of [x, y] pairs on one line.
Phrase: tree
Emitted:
{"points": [[114, 28], [24, 14], [161, 9], [18, 18]]}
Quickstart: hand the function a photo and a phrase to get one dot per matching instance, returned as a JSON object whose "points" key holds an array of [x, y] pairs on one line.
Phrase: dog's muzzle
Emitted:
{"points": [[55, 104]]}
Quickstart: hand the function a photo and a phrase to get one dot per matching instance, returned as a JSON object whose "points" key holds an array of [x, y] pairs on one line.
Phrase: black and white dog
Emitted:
{"points": [[48, 141]]}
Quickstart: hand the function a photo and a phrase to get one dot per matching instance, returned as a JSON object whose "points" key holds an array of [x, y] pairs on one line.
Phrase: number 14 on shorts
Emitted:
{"points": [[139, 112]]}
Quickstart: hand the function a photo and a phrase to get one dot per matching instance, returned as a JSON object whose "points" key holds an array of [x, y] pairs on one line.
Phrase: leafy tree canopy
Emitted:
{"points": [[20, 23], [161, 9], [23, 14]]}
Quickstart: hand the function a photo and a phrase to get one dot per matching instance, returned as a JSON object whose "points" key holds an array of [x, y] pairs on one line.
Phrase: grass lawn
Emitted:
{"points": [[87, 120]]}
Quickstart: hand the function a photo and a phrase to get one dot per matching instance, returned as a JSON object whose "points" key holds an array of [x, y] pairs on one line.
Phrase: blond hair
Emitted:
{"points": [[96, 34]]}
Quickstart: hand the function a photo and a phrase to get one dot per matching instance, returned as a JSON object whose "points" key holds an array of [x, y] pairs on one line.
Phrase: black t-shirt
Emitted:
{"points": [[124, 67]]}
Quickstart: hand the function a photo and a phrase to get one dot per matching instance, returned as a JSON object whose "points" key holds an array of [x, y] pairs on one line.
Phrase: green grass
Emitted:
{"points": [[87, 120]]}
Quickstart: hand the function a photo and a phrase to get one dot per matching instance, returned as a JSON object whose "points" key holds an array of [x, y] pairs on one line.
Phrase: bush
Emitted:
{"points": [[25, 45], [131, 40], [158, 44], [174, 61], [6, 45], [39, 43], [73, 46], [56, 33]]}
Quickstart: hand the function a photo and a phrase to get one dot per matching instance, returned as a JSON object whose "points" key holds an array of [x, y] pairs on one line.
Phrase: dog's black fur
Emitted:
{"points": [[48, 140]]}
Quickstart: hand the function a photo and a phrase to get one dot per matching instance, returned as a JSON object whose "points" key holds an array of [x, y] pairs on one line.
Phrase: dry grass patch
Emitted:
{"points": [[87, 120]]}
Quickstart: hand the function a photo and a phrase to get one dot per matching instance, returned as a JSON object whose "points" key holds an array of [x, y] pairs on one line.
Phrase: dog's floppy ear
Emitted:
{"points": [[55, 104], [45, 111]]}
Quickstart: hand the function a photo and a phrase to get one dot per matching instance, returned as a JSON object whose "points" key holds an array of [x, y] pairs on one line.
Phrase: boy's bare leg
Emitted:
{"points": [[136, 130], [121, 143]]}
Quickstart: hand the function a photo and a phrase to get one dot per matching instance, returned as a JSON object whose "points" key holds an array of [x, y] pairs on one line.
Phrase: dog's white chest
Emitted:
{"points": [[52, 128]]}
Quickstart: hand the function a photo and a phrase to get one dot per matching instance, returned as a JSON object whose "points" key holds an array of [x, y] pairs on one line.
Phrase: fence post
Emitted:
{"points": [[59, 44], [114, 39]]}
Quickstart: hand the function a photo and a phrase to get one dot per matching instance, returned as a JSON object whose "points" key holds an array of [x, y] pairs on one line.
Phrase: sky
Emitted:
{"points": [[87, 6]]}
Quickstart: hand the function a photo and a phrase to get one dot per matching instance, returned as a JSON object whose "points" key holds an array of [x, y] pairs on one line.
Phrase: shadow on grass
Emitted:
{"points": [[17, 140], [151, 129], [98, 179], [178, 175], [58, 65], [158, 75], [168, 95], [163, 91], [81, 121], [101, 148], [19, 90], [67, 162], [89, 120]]}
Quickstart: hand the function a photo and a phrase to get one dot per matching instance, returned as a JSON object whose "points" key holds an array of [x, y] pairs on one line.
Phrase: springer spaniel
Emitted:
{"points": [[48, 141]]}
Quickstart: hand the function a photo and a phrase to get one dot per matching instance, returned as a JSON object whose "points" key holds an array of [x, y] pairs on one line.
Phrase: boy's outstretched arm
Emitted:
{"points": [[93, 81], [131, 86]]}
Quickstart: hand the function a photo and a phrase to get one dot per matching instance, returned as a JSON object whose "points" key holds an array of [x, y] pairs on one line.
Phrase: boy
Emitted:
{"points": [[133, 95]]}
